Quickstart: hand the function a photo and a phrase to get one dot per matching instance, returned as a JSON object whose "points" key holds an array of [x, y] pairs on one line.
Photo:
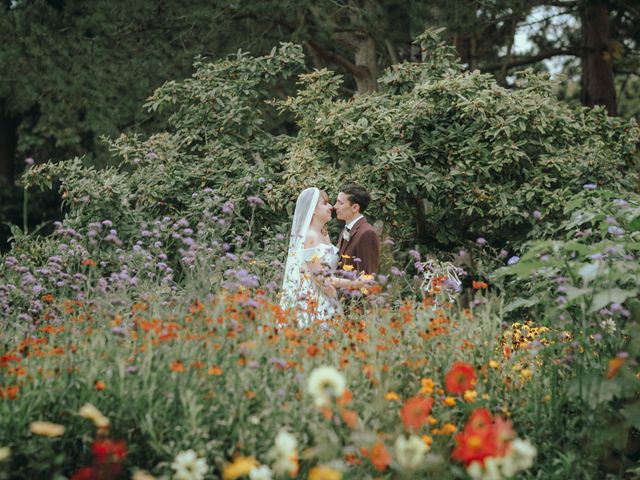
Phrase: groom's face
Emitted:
{"points": [[345, 210]]}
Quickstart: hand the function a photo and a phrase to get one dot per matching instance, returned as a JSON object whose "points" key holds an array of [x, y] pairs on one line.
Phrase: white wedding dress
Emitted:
{"points": [[300, 292]]}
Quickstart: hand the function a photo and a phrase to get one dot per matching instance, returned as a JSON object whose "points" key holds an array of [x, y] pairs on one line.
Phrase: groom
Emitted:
{"points": [[358, 246]]}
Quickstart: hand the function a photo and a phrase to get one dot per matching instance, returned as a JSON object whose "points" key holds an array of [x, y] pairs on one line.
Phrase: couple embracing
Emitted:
{"points": [[316, 270]]}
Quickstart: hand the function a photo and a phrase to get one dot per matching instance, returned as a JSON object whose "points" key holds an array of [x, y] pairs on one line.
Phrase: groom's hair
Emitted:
{"points": [[357, 194]]}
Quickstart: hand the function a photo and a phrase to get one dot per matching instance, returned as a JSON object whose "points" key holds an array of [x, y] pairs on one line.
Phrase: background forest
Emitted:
{"points": [[74, 72]]}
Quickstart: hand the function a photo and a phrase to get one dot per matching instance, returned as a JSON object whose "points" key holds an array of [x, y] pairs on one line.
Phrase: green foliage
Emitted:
{"points": [[450, 155]]}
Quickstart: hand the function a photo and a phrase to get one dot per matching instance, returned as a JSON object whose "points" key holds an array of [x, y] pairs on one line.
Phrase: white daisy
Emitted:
{"points": [[189, 467], [325, 383], [410, 451]]}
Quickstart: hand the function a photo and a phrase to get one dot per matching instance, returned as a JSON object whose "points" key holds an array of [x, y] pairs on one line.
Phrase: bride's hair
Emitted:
{"points": [[324, 195]]}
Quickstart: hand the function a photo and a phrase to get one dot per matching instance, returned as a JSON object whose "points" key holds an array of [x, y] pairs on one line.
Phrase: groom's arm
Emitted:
{"points": [[369, 252]]}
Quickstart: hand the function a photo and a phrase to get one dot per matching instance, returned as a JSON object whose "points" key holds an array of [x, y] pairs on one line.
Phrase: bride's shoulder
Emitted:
{"points": [[312, 239]]}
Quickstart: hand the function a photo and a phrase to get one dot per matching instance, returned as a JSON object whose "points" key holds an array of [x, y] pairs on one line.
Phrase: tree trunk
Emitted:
{"points": [[8, 140], [597, 70], [367, 64]]}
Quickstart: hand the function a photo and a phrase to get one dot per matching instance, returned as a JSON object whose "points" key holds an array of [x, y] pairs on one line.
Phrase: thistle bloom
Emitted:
{"points": [[325, 383], [410, 451], [189, 467]]}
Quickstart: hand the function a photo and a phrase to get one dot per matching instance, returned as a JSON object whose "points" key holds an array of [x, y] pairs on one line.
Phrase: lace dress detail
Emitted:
{"points": [[313, 304]]}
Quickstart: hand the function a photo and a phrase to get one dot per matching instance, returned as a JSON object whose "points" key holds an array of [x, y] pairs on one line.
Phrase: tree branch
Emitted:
{"points": [[522, 61], [333, 57]]}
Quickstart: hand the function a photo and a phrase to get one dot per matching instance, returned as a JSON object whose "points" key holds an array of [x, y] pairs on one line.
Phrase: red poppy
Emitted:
{"points": [[474, 445], [460, 378], [415, 412]]}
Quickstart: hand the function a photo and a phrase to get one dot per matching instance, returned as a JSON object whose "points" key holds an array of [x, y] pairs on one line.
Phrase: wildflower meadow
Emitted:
{"points": [[143, 336]]}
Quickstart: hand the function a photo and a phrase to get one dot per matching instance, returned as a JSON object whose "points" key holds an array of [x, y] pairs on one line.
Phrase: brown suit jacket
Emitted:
{"points": [[363, 244]]}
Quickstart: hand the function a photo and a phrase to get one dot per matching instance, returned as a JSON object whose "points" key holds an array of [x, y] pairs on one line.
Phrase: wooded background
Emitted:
{"points": [[74, 71]]}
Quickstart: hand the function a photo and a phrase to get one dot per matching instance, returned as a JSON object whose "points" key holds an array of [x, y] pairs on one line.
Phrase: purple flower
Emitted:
{"points": [[396, 271], [254, 201], [513, 260], [228, 207], [481, 241], [278, 362], [537, 215], [389, 241], [419, 267], [107, 223], [611, 220], [614, 230], [589, 186], [29, 161], [152, 155], [415, 255]]}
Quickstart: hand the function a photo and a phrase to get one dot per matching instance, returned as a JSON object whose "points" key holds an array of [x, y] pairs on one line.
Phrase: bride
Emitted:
{"points": [[309, 288]]}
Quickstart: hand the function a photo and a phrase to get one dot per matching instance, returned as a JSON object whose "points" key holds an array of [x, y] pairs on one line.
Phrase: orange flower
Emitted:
{"points": [[89, 262], [100, 385], [460, 378], [214, 371], [392, 396], [177, 366], [415, 412], [479, 285], [614, 365], [9, 393], [313, 350], [427, 386], [379, 456], [350, 418]]}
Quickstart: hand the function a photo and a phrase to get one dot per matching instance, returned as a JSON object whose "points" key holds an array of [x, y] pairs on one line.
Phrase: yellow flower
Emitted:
{"points": [[93, 414], [547, 397], [432, 420], [448, 428], [46, 429], [470, 396], [142, 475], [5, 452], [391, 396], [450, 402], [427, 386], [485, 396], [240, 467], [324, 473], [493, 364], [347, 268], [427, 439], [526, 373]]}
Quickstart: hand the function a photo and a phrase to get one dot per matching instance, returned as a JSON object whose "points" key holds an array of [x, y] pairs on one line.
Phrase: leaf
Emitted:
{"points": [[632, 414], [573, 292], [520, 302], [613, 295]]}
